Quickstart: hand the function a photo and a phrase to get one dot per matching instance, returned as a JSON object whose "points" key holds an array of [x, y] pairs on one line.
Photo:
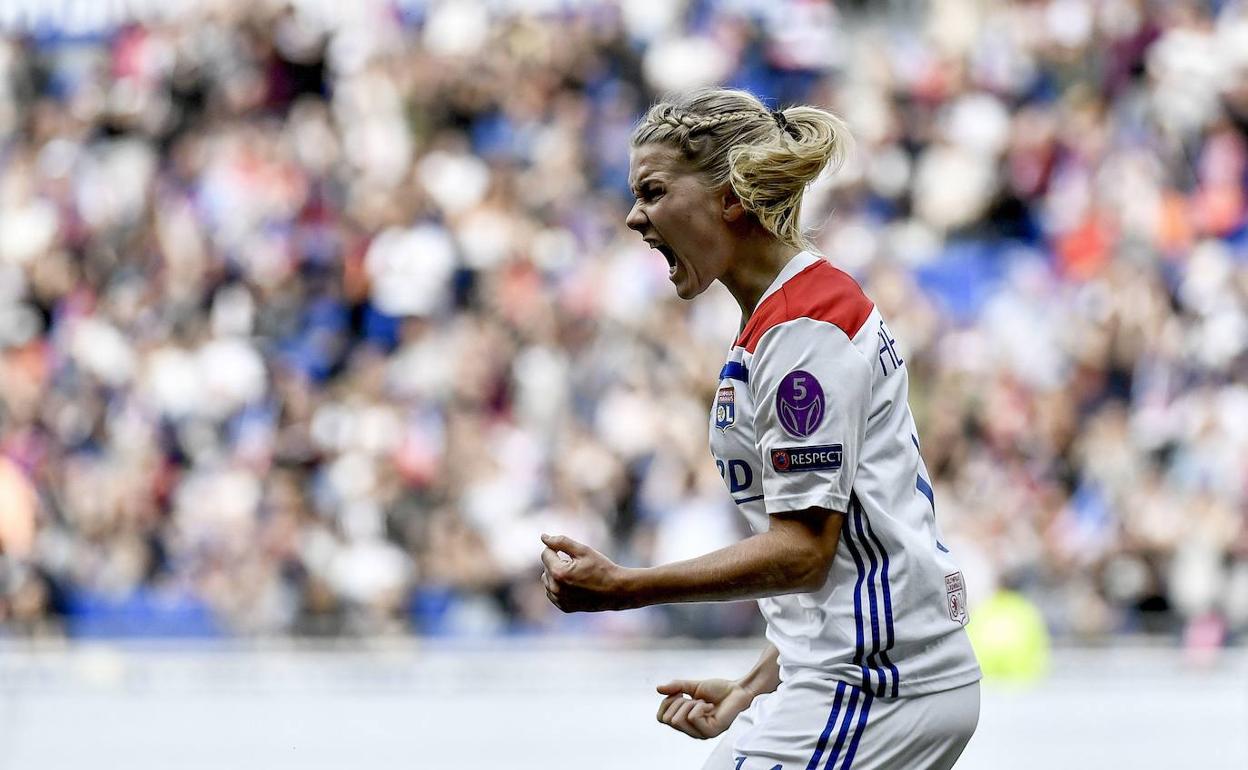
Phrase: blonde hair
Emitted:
{"points": [[768, 157]]}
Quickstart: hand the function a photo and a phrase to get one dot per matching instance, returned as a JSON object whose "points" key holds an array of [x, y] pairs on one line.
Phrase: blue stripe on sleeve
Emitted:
{"points": [[734, 370]]}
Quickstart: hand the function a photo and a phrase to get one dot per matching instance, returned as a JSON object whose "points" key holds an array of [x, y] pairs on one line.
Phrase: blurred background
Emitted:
{"points": [[314, 315]]}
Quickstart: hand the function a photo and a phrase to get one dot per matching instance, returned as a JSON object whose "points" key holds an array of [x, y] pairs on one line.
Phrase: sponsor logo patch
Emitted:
{"points": [[955, 592], [799, 403], [725, 408], [826, 457]]}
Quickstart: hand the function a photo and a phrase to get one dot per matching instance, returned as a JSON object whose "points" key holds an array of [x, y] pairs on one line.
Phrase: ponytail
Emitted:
{"points": [[767, 157], [770, 177]]}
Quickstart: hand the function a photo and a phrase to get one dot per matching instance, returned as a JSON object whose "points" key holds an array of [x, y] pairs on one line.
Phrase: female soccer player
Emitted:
{"points": [[868, 664]]}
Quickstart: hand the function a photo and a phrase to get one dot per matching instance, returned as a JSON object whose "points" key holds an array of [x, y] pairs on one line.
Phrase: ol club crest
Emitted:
{"points": [[725, 408]]}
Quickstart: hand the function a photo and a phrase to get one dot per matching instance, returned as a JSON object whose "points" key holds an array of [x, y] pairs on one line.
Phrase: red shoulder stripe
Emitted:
{"points": [[820, 292]]}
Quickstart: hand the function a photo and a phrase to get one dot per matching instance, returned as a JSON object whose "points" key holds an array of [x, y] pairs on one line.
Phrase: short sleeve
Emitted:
{"points": [[812, 394]]}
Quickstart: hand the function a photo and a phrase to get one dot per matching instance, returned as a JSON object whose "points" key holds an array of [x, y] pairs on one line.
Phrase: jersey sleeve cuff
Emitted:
{"points": [[783, 503]]}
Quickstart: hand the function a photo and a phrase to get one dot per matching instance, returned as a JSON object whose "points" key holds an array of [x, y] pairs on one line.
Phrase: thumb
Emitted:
{"points": [[678, 686], [565, 544]]}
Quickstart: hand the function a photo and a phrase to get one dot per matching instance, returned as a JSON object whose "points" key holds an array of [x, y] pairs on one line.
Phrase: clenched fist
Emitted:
{"points": [[579, 579]]}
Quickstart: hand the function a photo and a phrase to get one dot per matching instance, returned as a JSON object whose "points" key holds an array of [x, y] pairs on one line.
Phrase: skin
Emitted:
{"points": [[712, 234], [713, 238]]}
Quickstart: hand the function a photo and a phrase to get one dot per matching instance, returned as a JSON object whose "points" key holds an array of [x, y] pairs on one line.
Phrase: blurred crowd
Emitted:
{"points": [[314, 318]]}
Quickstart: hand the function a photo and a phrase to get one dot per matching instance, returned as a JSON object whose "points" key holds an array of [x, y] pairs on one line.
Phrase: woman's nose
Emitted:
{"points": [[635, 219]]}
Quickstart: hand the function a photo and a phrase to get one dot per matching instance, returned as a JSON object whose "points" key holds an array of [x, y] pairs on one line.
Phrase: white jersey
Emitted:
{"points": [[812, 411]]}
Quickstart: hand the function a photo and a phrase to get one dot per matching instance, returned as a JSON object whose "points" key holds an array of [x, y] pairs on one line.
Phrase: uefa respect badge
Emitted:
{"points": [[799, 403]]}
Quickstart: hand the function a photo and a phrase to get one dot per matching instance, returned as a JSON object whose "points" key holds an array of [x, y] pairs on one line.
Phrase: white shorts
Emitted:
{"points": [[823, 724]]}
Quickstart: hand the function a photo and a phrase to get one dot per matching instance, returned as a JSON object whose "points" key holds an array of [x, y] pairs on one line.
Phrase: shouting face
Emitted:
{"points": [[678, 213]]}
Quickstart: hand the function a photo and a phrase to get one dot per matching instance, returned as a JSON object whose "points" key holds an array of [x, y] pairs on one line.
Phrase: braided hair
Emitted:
{"points": [[767, 156]]}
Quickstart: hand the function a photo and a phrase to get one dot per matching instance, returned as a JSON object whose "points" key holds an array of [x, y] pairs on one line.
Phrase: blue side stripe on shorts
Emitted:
{"points": [[840, 736], [847, 534], [862, 723], [888, 610], [872, 603], [813, 764], [734, 370]]}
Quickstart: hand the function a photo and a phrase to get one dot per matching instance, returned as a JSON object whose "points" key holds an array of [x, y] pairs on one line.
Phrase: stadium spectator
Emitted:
{"points": [[311, 320]]}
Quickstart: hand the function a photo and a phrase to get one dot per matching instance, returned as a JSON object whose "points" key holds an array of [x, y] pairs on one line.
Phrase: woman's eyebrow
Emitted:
{"points": [[643, 182]]}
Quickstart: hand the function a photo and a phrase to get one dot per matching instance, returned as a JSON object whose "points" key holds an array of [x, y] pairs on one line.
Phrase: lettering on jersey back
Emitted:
{"points": [[889, 360]]}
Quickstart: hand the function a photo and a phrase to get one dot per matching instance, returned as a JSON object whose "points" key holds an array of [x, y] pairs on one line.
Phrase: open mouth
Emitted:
{"points": [[668, 254]]}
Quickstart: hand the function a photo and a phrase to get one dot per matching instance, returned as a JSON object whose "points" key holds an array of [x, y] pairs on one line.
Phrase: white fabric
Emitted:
{"points": [[804, 724], [890, 615]]}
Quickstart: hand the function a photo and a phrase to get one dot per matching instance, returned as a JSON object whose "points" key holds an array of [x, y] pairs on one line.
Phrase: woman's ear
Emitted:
{"points": [[733, 209]]}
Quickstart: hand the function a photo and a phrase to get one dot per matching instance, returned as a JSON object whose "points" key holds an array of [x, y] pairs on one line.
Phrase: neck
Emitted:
{"points": [[754, 267]]}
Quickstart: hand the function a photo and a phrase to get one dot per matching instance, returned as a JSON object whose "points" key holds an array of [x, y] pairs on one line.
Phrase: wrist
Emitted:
{"points": [[631, 588], [751, 685], [764, 677]]}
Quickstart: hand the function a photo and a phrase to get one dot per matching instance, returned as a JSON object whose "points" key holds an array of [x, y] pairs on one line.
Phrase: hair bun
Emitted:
{"points": [[730, 136]]}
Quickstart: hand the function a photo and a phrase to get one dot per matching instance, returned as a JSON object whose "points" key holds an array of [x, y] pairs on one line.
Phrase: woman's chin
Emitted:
{"points": [[686, 284]]}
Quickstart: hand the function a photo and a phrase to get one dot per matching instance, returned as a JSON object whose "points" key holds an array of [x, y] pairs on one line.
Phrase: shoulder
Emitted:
{"points": [[821, 293]]}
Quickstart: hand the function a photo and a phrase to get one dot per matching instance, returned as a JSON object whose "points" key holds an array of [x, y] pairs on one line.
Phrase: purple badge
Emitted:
{"points": [[799, 403]]}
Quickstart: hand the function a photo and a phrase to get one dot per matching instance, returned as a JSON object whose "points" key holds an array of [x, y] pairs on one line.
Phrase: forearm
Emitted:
{"points": [[765, 675], [767, 564]]}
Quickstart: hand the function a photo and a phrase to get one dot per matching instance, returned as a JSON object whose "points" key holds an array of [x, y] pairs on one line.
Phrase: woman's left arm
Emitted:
{"points": [[793, 556]]}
